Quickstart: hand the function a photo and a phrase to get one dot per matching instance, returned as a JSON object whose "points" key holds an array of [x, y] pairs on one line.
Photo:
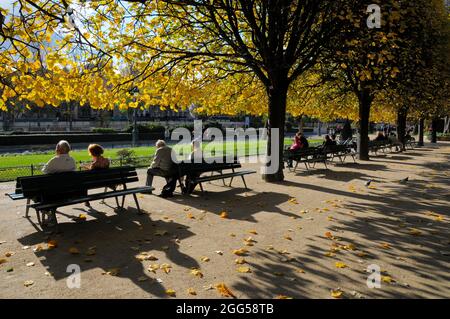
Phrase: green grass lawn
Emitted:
{"points": [[10, 164]]}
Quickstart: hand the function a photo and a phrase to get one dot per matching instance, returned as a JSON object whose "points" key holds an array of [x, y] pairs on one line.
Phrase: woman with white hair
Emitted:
{"points": [[62, 162]]}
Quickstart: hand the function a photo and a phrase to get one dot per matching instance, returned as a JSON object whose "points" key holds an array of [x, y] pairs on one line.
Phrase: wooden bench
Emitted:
{"points": [[411, 142], [376, 146], [307, 156], [51, 191], [339, 151], [215, 166]]}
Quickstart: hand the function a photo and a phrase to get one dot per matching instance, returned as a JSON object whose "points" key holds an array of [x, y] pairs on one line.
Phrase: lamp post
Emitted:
{"points": [[135, 132]]}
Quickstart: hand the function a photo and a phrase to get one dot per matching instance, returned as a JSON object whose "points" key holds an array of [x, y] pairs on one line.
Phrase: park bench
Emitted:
{"points": [[220, 168], [376, 146], [51, 191], [312, 155], [411, 142]]}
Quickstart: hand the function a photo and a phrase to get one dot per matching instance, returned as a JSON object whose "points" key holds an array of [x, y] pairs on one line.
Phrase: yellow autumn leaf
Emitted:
{"points": [[82, 217], [224, 215], [293, 200], [387, 279], [153, 268], [190, 216], [112, 272], [244, 269], [28, 283], [52, 244], [386, 246], [240, 251], [196, 272], [3, 260], [166, 268], [171, 293], [340, 264], [191, 291], [415, 232], [336, 293], [240, 261], [330, 254], [205, 259], [328, 235], [224, 290], [254, 232]]}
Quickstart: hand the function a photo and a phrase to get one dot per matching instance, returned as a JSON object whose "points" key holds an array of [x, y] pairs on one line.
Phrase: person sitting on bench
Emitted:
{"points": [[62, 162], [196, 154], [163, 165], [98, 161], [328, 141]]}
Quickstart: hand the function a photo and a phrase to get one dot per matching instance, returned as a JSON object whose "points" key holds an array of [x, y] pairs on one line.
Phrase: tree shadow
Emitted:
{"points": [[239, 203], [117, 240]]}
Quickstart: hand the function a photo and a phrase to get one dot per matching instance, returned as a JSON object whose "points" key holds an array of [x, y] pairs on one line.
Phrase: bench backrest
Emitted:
{"points": [[208, 165], [69, 184]]}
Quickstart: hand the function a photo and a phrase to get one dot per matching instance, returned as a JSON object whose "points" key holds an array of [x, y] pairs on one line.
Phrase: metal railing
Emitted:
{"points": [[11, 173]]}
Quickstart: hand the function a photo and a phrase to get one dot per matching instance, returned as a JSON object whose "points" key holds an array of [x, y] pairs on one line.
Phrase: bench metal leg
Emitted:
{"points": [[27, 209], [137, 203], [201, 187], [117, 201], [243, 180], [231, 181]]}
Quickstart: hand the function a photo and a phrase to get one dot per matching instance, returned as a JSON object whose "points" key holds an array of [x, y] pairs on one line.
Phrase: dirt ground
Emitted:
{"points": [[316, 232]]}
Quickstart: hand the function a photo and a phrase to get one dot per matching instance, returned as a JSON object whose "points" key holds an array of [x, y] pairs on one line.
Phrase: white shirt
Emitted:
{"points": [[59, 163]]}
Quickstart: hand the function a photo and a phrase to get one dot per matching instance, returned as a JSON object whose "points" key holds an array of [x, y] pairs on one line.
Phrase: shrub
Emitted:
{"points": [[126, 156], [103, 130], [149, 128]]}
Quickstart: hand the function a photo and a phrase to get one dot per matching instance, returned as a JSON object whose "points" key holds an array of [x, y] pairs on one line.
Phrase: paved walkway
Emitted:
{"points": [[316, 232]]}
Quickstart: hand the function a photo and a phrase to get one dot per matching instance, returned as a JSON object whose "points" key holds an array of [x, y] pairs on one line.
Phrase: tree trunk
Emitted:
{"points": [[421, 129], [365, 100], [300, 124], [401, 125], [277, 118], [434, 125]]}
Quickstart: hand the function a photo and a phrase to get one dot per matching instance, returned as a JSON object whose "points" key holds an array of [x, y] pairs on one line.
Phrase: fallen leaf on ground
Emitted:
{"points": [[190, 216], [224, 291], [288, 237], [191, 291], [28, 283], [74, 251], [196, 272], [415, 232], [171, 293], [82, 217], [204, 259], [254, 232], [282, 297], [30, 264], [112, 271], [293, 200], [386, 246], [336, 293], [328, 235], [232, 235], [240, 261], [223, 215], [3, 260], [153, 268], [349, 247], [142, 278], [25, 247], [340, 264], [300, 270], [219, 252], [52, 244], [244, 269], [240, 251], [9, 254], [387, 279], [166, 267]]}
